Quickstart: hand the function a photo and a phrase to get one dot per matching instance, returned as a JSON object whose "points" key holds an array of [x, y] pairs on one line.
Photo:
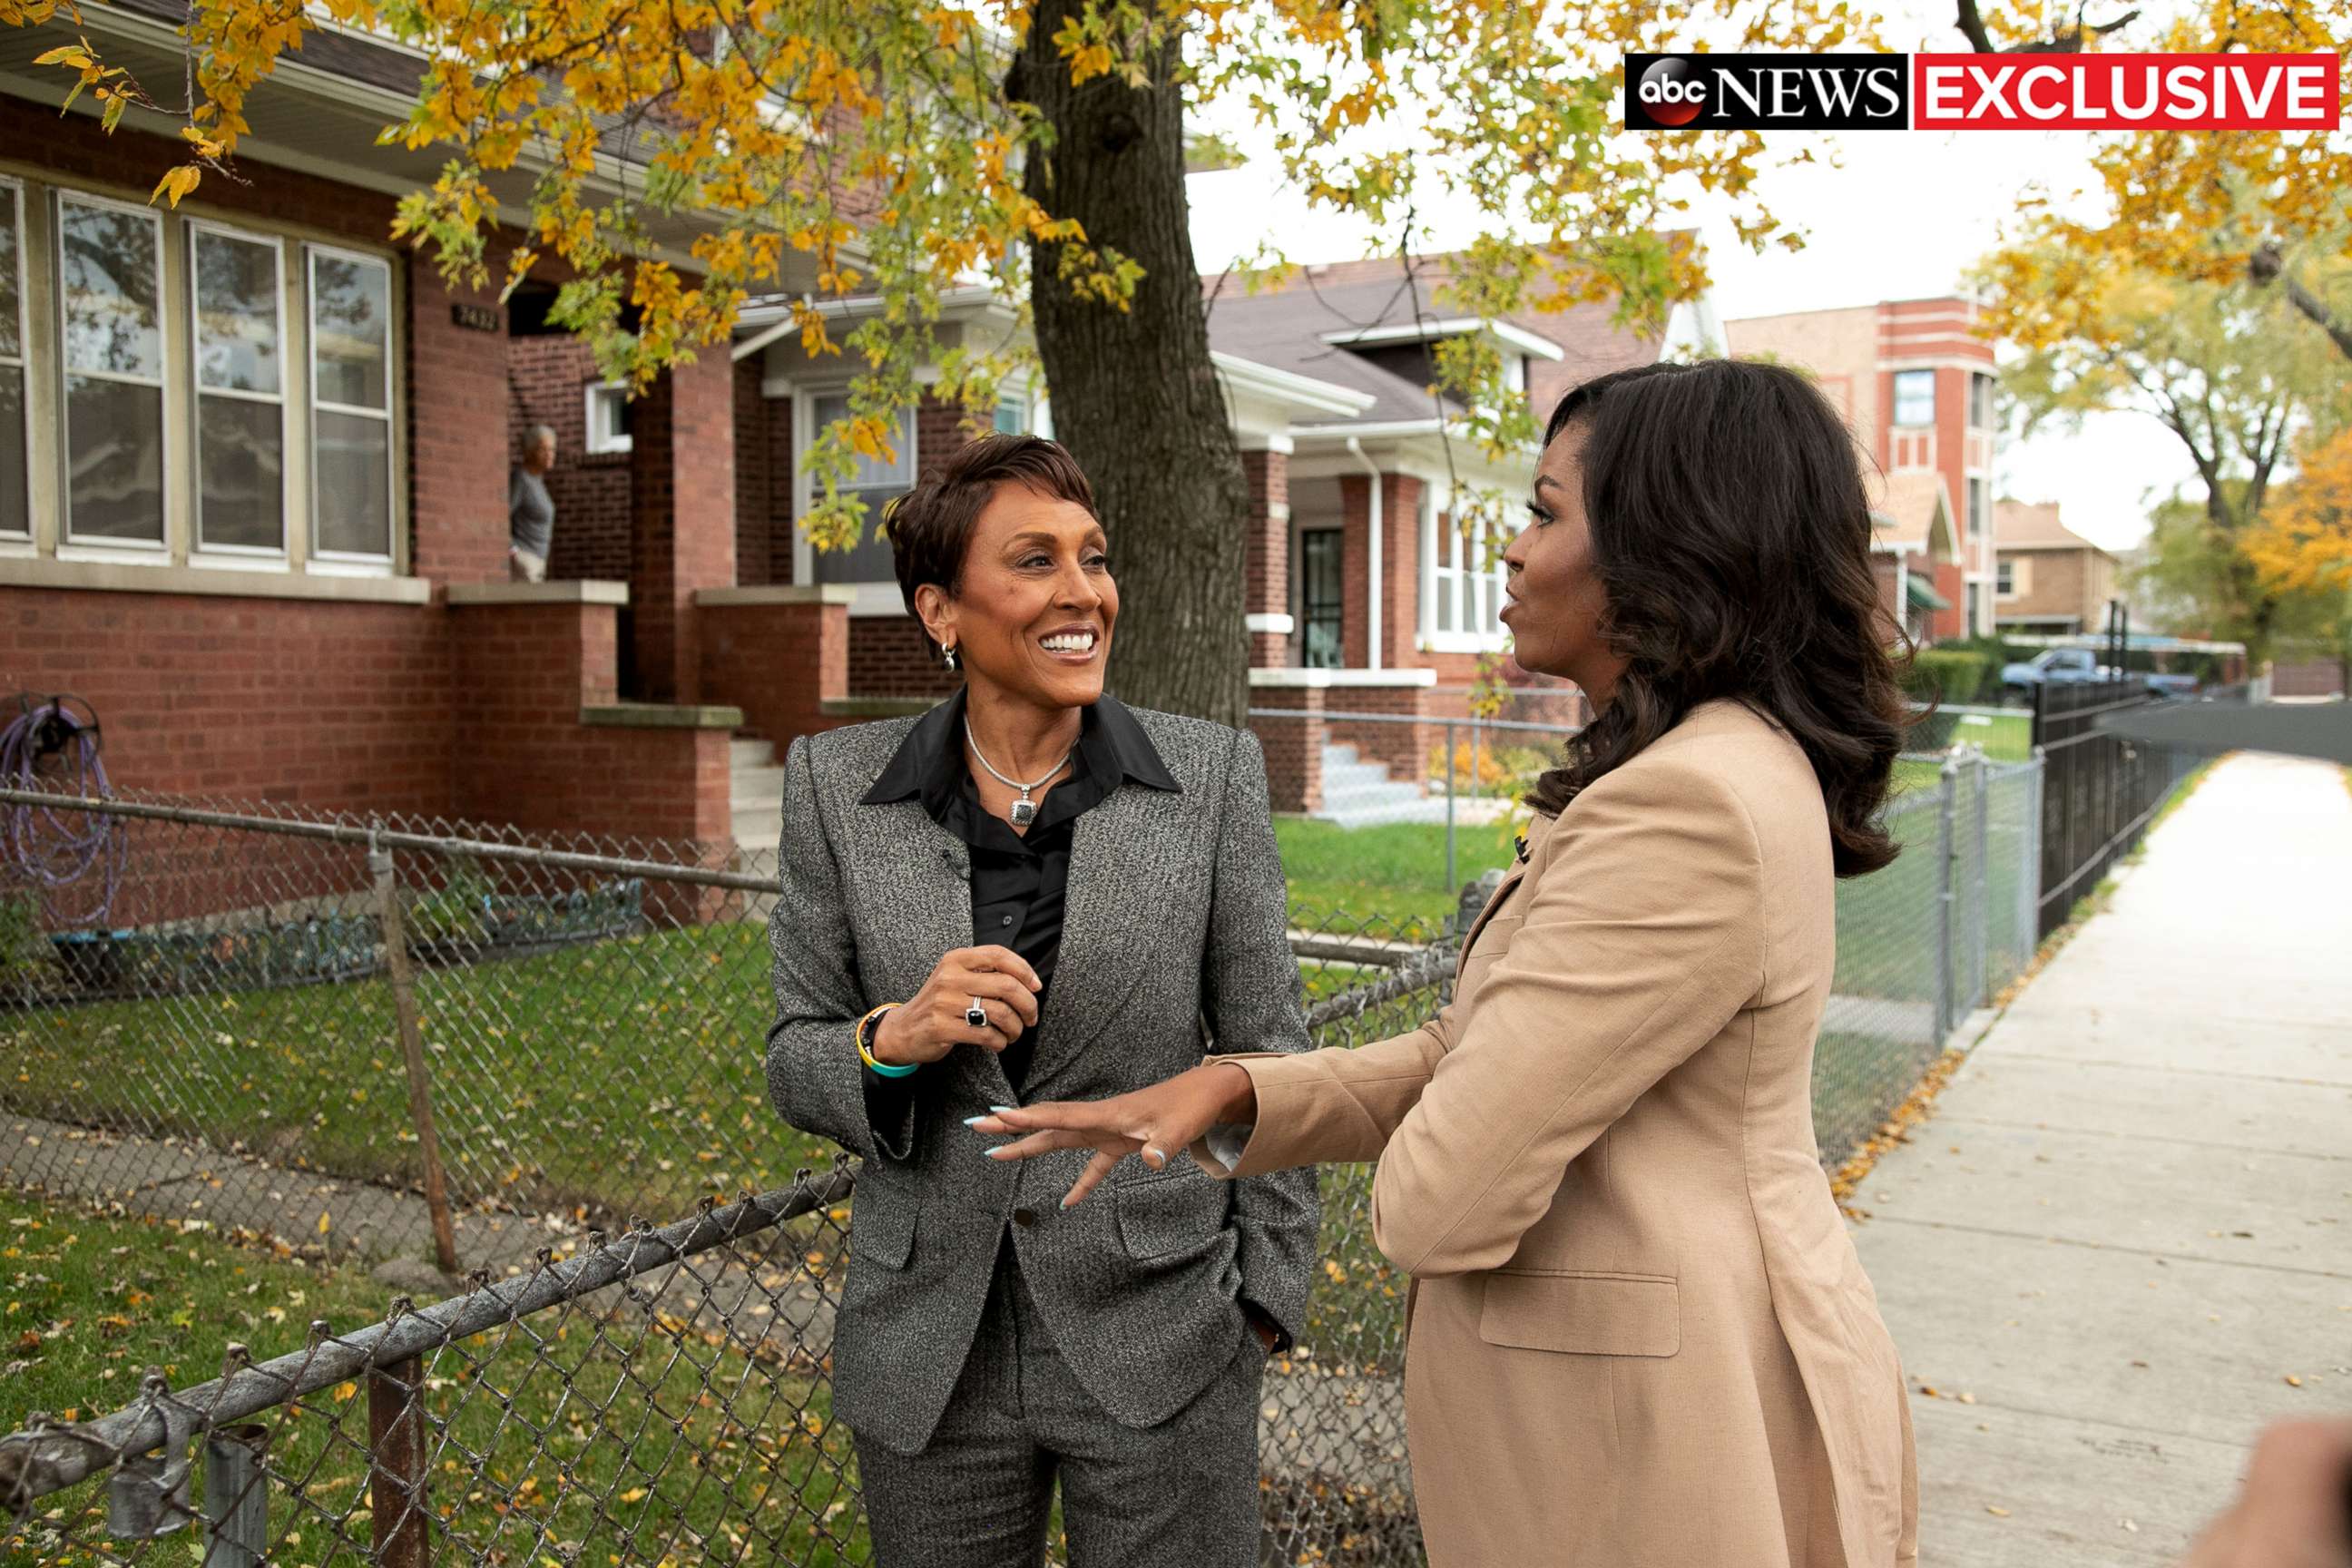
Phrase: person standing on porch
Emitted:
{"points": [[530, 510]]}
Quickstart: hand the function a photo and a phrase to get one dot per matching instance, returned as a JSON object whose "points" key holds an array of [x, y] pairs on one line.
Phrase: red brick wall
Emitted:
{"points": [[337, 707], [1267, 544], [527, 670], [754, 479], [779, 663], [548, 378], [780, 531], [1400, 569], [890, 656], [682, 495], [1293, 748]]}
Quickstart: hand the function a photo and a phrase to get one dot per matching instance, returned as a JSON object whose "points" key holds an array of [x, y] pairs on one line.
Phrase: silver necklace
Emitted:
{"points": [[1024, 810]]}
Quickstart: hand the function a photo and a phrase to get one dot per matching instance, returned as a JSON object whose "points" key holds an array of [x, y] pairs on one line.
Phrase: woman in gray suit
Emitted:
{"points": [[1035, 892]]}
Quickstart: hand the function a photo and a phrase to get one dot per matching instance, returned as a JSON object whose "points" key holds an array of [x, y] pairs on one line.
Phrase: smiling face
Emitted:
{"points": [[1033, 613], [1556, 607]]}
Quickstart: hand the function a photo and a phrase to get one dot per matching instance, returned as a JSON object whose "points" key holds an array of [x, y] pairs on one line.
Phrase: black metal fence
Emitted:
{"points": [[2099, 791]]}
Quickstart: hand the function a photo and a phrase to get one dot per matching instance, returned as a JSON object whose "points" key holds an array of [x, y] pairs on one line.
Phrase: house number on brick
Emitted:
{"points": [[476, 318]]}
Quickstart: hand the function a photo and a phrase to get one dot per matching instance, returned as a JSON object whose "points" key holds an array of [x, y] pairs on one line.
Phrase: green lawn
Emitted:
{"points": [[661, 1442], [1389, 879], [625, 1072]]}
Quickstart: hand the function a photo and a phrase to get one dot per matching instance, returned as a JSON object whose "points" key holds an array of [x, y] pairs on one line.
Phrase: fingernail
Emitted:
{"points": [[974, 1121], [1001, 1109]]}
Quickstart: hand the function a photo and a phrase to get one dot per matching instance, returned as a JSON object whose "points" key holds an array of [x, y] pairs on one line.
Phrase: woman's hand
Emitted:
{"points": [[931, 1022], [1158, 1122]]}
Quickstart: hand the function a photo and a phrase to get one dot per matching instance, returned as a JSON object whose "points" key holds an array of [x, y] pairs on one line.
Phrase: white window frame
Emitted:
{"points": [[874, 599], [2008, 578], [596, 442], [1477, 595], [89, 547], [1009, 397], [318, 554], [1895, 415], [1980, 380], [197, 392], [12, 191]]}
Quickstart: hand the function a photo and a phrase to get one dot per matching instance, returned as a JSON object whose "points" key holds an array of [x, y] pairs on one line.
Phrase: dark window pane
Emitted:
{"points": [[351, 312], [15, 515], [12, 342], [870, 559], [114, 459], [353, 468], [236, 313], [240, 451], [108, 285]]}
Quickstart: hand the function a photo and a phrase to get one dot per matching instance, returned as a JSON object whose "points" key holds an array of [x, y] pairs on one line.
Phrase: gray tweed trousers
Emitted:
{"points": [[1182, 1494]]}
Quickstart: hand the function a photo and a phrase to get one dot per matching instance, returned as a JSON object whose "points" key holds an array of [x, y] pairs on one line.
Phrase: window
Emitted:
{"points": [[1981, 402], [1465, 583], [110, 284], [2005, 578], [1012, 413], [238, 337], [1979, 509], [1322, 616], [609, 417], [1915, 397], [15, 497], [877, 482], [350, 404]]}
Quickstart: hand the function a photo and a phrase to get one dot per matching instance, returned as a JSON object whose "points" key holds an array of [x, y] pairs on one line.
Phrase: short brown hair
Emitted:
{"points": [[930, 526]]}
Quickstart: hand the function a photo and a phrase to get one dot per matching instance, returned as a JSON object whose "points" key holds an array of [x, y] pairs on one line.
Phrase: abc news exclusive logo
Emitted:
{"points": [[1981, 92]]}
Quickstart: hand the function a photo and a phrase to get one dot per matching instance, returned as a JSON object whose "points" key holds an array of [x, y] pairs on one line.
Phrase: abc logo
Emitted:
{"points": [[1671, 93]]}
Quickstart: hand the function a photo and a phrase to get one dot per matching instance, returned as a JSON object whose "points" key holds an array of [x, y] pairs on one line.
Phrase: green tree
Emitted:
{"points": [[907, 147]]}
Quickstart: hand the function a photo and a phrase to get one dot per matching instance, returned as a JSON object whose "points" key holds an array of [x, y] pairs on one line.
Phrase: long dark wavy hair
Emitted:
{"points": [[1731, 535]]}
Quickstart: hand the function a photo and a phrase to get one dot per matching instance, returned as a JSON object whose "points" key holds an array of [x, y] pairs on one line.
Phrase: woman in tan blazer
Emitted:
{"points": [[1638, 1335]]}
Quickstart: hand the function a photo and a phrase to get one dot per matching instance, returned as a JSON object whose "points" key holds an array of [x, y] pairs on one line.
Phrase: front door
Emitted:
{"points": [[1319, 600]]}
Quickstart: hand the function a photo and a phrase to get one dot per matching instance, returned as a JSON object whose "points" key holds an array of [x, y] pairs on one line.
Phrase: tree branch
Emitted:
{"points": [[2266, 267], [2063, 41]]}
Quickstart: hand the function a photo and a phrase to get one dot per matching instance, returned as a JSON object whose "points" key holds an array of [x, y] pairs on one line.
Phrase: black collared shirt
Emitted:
{"points": [[1019, 881]]}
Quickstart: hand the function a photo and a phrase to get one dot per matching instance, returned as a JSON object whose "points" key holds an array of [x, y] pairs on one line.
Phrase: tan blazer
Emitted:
{"points": [[1638, 1335]]}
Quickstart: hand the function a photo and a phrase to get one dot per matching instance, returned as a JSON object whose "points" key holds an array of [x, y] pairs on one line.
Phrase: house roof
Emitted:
{"points": [[2033, 525], [1911, 510], [1291, 327]]}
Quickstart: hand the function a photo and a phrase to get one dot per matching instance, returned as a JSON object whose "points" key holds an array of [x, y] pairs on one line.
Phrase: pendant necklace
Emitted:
{"points": [[1024, 810]]}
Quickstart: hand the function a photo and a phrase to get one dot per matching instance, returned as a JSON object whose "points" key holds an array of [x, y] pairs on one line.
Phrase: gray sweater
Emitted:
{"points": [[530, 512]]}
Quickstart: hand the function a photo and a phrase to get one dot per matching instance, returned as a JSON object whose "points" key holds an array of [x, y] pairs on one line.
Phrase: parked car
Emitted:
{"points": [[2079, 666]]}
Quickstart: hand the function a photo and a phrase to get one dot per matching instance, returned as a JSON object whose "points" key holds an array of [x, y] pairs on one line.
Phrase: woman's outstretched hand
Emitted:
{"points": [[1159, 1123]]}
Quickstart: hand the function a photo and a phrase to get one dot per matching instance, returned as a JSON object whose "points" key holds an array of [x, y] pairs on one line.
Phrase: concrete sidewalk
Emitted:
{"points": [[2123, 1239]]}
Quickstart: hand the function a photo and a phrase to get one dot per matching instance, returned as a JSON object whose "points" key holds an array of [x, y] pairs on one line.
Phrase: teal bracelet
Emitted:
{"points": [[866, 1054]]}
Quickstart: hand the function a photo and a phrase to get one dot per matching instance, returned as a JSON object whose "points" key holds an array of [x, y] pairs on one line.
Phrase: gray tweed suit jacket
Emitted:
{"points": [[1173, 944]]}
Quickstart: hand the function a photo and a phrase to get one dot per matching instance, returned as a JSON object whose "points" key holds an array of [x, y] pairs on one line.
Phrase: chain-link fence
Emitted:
{"points": [[309, 1026]]}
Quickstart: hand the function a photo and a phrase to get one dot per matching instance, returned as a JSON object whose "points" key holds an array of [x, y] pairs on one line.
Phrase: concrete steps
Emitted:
{"points": [[756, 794], [1358, 793]]}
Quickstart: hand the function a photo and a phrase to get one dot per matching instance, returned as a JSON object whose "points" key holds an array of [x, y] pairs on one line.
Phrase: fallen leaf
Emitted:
{"points": [[2293, 1381], [1996, 1513]]}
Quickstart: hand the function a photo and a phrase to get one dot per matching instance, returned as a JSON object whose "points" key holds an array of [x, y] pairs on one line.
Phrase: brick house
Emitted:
{"points": [[1917, 387], [254, 465], [2048, 578]]}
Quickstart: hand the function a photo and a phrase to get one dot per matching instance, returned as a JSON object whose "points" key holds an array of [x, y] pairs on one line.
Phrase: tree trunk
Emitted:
{"points": [[1134, 394]]}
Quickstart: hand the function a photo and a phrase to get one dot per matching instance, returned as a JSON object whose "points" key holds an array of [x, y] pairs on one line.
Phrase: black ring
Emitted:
{"points": [[976, 1015]]}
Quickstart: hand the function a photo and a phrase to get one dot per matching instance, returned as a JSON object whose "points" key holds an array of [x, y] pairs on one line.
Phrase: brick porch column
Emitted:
{"points": [[1399, 589], [1293, 745], [1266, 539], [682, 520]]}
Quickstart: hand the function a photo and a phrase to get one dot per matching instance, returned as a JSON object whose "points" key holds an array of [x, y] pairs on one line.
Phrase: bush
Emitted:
{"points": [[24, 946], [1949, 674]]}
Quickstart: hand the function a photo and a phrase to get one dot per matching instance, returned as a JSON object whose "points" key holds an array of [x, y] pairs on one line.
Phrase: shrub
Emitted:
{"points": [[1949, 674]]}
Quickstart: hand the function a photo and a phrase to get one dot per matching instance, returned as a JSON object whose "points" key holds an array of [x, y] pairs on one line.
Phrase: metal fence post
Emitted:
{"points": [[412, 1047], [2029, 875], [1981, 931], [1449, 805], [236, 1497], [397, 1466], [1947, 803]]}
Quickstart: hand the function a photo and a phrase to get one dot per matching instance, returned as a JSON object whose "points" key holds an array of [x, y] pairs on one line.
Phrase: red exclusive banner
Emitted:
{"points": [[2125, 92]]}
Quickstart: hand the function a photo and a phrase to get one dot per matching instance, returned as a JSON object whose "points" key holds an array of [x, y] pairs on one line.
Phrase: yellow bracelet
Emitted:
{"points": [[866, 1056]]}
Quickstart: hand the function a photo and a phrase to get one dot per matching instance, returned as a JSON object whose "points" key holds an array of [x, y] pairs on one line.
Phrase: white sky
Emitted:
{"points": [[1902, 219]]}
